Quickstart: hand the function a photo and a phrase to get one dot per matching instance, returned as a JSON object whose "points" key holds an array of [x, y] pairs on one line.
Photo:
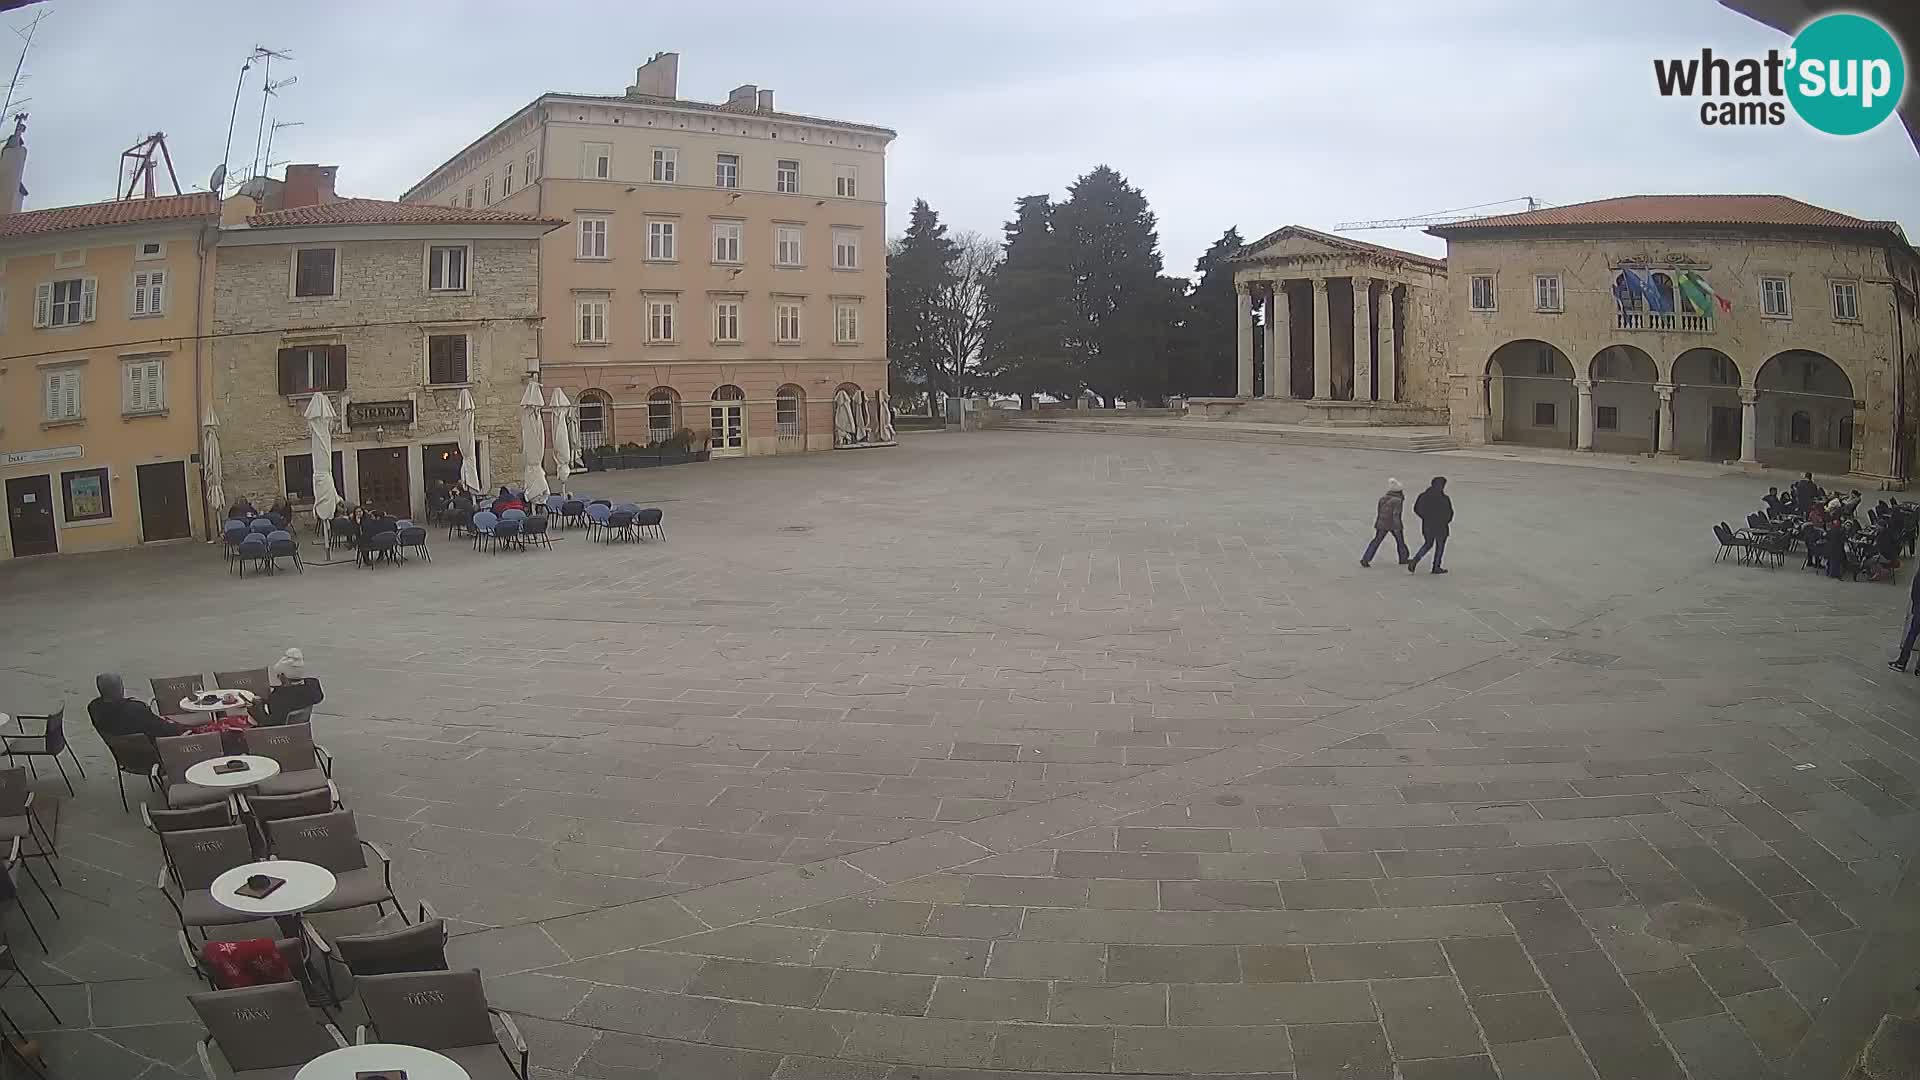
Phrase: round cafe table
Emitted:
{"points": [[306, 885], [258, 769], [351, 1061], [196, 714]]}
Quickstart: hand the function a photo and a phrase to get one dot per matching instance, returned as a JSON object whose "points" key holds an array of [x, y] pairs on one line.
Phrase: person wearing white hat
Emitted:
{"points": [[1389, 519]]}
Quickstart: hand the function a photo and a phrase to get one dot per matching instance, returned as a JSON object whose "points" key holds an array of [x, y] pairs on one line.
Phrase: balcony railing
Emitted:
{"points": [[1664, 322]]}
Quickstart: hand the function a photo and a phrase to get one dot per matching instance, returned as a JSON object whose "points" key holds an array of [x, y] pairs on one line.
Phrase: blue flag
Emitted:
{"points": [[1629, 288], [1658, 299]]}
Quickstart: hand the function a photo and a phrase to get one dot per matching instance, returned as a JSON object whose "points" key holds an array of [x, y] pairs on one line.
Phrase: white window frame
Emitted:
{"points": [[593, 237], [82, 305], [846, 323], [661, 319], [435, 254], [506, 180], [469, 205], [141, 254], [1785, 293], [591, 316], [726, 172], [1473, 293], [293, 273], [133, 369], [726, 322], [846, 181], [788, 327], [1547, 295], [596, 161], [786, 180], [781, 402], [663, 240], [147, 293], [533, 165], [666, 165], [787, 237], [486, 190], [1851, 291], [63, 398], [728, 239], [426, 358], [846, 249]]}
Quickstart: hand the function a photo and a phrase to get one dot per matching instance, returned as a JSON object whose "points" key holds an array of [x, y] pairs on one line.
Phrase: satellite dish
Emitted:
{"points": [[218, 180]]}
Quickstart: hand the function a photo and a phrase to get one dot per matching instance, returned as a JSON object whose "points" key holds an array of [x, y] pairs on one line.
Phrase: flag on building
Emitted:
{"points": [[1702, 294]]}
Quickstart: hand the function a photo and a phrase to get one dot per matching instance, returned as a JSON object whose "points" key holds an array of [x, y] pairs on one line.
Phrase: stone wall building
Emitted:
{"points": [[1351, 328], [392, 310], [1572, 327], [725, 268]]}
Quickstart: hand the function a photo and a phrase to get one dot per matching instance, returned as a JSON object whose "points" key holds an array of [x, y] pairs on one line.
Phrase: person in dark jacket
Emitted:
{"points": [[1913, 628], [1388, 520], [114, 713], [1435, 511], [1805, 492]]}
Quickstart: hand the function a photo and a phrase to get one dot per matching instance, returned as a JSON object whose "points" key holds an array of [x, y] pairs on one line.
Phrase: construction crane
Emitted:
{"points": [[139, 158], [1462, 213]]}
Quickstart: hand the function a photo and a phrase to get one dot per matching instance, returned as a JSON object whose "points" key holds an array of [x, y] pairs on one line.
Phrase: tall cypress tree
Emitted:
{"points": [[1207, 348], [919, 271], [1120, 309], [1027, 296]]}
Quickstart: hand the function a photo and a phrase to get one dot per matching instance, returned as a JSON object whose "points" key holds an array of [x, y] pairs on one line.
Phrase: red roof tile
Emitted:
{"points": [[1725, 210], [383, 212], [199, 204]]}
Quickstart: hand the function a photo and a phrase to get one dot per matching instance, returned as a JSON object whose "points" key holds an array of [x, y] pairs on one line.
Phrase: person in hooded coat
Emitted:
{"points": [[1389, 520], [1435, 511]]}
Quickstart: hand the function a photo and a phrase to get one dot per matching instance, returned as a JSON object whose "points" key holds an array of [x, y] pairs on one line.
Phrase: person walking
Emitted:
{"points": [[1389, 520], [1913, 628], [1435, 511]]}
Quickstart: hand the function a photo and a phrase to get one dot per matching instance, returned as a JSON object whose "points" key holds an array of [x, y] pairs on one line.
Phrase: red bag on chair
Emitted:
{"points": [[255, 962]]}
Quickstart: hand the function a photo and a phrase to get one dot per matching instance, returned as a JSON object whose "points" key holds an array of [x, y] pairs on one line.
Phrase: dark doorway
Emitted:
{"points": [[30, 515], [163, 501], [1723, 438], [441, 461], [384, 481]]}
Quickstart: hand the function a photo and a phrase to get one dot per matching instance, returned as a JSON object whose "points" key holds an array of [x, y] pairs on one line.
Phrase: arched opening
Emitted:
{"points": [[1626, 413], [728, 437], [596, 419], [1706, 406], [790, 419], [1530, 395], [663, 414], [1805, 413]]}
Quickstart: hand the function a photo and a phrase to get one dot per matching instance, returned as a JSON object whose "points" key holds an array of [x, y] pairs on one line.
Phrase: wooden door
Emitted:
{"points": [[163, 501], [384, 481], [1723, 439], [30, 515]]}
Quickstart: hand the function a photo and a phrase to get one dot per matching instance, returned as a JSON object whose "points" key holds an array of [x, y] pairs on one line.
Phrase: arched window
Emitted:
{"points": [[729, 392], [1800, 429], [790, 410], [596, 419], [663, 413]]}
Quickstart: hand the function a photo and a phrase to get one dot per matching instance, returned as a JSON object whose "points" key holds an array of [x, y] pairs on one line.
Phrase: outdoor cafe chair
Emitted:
{"points": [[255, 549], [230, 536], [264, 1032], [629, 507], [261, 809], [481, 526], [340, 532], [18, 822], [10, 967], [49, 742], [383, 950], [534, 530], [256, 681], [194, 857], [649, 518], [262, 525], [170, 690], [282, 545], [446, 1012], [573, 513], [507, 531], [597, 517], [303, 765], [211, 816], [288, 948], [10, 890], [555, 503], [381, 547], [332, 841], [177, 754], [415, 538], [620, 524], [459, 519], [133, 755]]}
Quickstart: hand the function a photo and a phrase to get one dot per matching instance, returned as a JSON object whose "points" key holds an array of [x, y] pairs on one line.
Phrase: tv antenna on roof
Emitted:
{"points": [[19, 66], [266, 56], [144, 168], [268, 163]]}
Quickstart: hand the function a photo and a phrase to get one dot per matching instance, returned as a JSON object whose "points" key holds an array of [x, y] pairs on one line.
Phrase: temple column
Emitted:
{"points": [[1362, 338], [1279, 343], [1322, 355], [1584, 440], [1243, 313], [1749, 427], [1665, 392], [1389, 365]]}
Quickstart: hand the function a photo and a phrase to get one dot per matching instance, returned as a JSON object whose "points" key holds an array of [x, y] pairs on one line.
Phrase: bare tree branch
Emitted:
{"points": [[963, 310]]}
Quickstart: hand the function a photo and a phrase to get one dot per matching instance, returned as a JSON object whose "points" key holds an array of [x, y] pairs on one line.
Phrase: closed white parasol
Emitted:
{"points": [[563, 441], [469, 446], [533, 444], [320, 418], [210, 461]]}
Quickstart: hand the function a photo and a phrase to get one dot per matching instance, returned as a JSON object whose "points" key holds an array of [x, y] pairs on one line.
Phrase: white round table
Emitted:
{"points": [[190, 705], [258, 769], [305, 886], [345, 1063]]}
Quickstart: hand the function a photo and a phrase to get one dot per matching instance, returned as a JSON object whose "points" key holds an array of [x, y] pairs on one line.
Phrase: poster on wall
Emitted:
{"points": [[89, 496]]}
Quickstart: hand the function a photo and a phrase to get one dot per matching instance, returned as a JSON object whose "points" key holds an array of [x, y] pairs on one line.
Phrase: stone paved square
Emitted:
{"points": [[1060, 754]]}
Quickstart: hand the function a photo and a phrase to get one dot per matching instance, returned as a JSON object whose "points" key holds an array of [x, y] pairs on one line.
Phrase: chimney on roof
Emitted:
{"points": [[13, 167], [308, 185], [658, 77], [745, 96], [766, 101]]}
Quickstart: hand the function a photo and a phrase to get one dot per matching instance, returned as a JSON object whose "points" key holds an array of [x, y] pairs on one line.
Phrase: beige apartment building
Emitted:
{"points": [[723, 268], [390, 309], [1580, 327], [102, 308]]}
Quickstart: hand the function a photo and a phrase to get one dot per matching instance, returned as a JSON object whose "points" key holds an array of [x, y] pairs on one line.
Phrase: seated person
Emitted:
{"points": [[508, 500], [114, 713], [1773, 500], [242, 510], [282, 508], [437, 496]]}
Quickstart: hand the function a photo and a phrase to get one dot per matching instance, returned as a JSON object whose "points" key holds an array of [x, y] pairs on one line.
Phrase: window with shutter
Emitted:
{"points": [[447, 359], [308, 369], [42, 304], [63, 303], [63, 394], [144, 392], [149, 292], [313, 272], [86, 299]]}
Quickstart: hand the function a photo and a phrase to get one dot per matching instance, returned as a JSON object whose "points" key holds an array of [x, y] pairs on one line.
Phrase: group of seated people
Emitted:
{"points": [[113, 713], [1836, 541], [280, 513]]}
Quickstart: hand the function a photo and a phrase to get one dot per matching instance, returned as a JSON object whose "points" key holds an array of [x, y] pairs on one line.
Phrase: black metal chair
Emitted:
{"points": [[414, 538], [51, 742], [133, 755], [649, 518], [1731, 545]]}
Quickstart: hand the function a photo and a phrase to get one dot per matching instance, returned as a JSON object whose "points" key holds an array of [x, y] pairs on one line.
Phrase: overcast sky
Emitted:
{"points": [[1231, 112]]}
